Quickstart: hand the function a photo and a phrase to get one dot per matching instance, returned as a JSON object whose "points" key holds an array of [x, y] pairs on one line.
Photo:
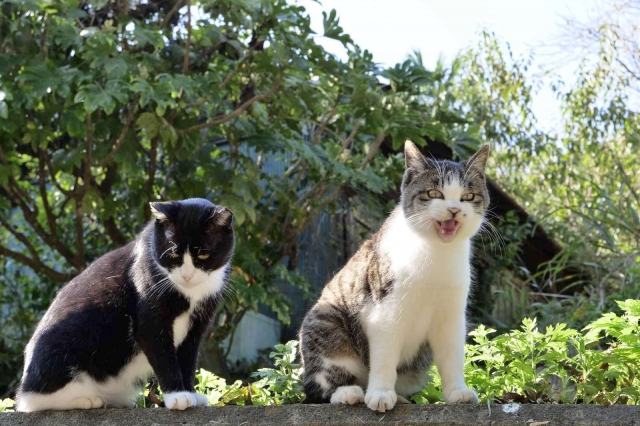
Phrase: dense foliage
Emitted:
{"points": [[107, 105]]}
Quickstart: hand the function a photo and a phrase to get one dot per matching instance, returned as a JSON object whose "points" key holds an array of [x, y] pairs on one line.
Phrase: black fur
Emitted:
{"points": [[112, 311]]}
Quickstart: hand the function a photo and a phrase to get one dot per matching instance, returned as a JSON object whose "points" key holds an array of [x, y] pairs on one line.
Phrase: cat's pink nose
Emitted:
{"points": [[453, 210], [187, 277]]}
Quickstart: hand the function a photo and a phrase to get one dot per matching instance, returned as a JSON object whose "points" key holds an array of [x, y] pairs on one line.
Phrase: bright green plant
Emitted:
{"points": [[276, 386], [6, 405], [601, 365], [281, 385]]}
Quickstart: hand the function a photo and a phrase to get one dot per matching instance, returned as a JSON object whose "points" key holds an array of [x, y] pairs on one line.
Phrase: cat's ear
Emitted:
{"points": [[479, 160], [222, 216], [413, 158], [164, 211]]}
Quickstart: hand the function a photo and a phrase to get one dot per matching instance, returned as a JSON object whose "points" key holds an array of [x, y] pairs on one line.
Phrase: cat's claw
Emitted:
{"points": [[201, 400], [462, 395], [179, 400], [350, 395], [381, 400]]}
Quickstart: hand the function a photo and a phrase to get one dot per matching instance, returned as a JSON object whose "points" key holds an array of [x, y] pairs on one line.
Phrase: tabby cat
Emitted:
{"points": [[139, 309], [399, 303]]}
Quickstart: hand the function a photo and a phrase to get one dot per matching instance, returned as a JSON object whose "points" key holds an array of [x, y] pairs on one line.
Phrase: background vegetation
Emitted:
{"points": [[106, 105]]}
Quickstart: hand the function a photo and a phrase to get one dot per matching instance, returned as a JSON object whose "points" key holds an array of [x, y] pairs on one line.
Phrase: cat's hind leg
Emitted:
{"points": [[333, 372], [409, 383], [413, 376], [335, 382], [74, 396]]}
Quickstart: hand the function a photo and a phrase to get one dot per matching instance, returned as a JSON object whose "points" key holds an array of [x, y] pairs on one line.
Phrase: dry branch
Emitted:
{"points": [[225, 118]]}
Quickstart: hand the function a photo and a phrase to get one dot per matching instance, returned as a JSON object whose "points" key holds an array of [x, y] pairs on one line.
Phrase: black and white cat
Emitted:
{"points": [[137, 310]]}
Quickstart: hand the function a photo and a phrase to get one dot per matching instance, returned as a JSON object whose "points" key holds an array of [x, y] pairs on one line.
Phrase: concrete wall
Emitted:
{"points": [[340, 415]]}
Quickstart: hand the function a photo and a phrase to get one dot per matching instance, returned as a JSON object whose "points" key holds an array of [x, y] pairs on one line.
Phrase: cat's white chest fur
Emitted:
{"points": [[431, 287], [212, 284], [181, 326]]}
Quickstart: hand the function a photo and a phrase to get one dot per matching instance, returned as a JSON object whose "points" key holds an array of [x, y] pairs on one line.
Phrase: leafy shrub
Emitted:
{"points": [[279, 385], [561, 365]]}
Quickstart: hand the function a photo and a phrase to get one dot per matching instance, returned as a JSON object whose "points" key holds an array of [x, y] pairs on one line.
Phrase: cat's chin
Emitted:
{"points": [[192, 283], [446, 238], [188, 285]]}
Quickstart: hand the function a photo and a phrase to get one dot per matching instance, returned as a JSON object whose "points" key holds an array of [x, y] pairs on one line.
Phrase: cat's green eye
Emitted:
{"points": [[203, 256], [471, 197], [174, 255], [434, 193]]}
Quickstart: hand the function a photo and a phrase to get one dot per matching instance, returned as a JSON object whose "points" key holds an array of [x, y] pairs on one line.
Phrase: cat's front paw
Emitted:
{"points": [[462, 395], [201, 400], [350, 395], [179, 400], [381, 400]]}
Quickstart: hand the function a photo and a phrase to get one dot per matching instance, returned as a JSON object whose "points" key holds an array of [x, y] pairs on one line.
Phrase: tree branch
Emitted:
{"points": [[114, 232], [232, 74], [22, 238], [109, 224], [272, 221], [636, 76], [86, 174], [51, 218], [347, 142], [153, 154], [36, 265], [173, 10], [196, 104], [79, 233], [53, 176], [43, 37], [318, 209], [626, 179], [373, 150], [323, 125], [223, 119], [187, 49], [20, 195], [123, 134], [31, 216]]}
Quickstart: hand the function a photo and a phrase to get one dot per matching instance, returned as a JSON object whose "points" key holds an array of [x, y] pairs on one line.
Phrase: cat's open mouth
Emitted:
{"points": [[447, 228]]}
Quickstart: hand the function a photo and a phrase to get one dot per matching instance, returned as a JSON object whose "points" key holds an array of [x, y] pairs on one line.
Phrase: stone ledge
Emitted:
{"points": [[339, 415]]}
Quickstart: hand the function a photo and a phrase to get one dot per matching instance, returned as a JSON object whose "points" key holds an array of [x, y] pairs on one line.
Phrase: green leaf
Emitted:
{"points": [[99, 4], [150, 123], [332, 28], [4, 110], [115, 67]]}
